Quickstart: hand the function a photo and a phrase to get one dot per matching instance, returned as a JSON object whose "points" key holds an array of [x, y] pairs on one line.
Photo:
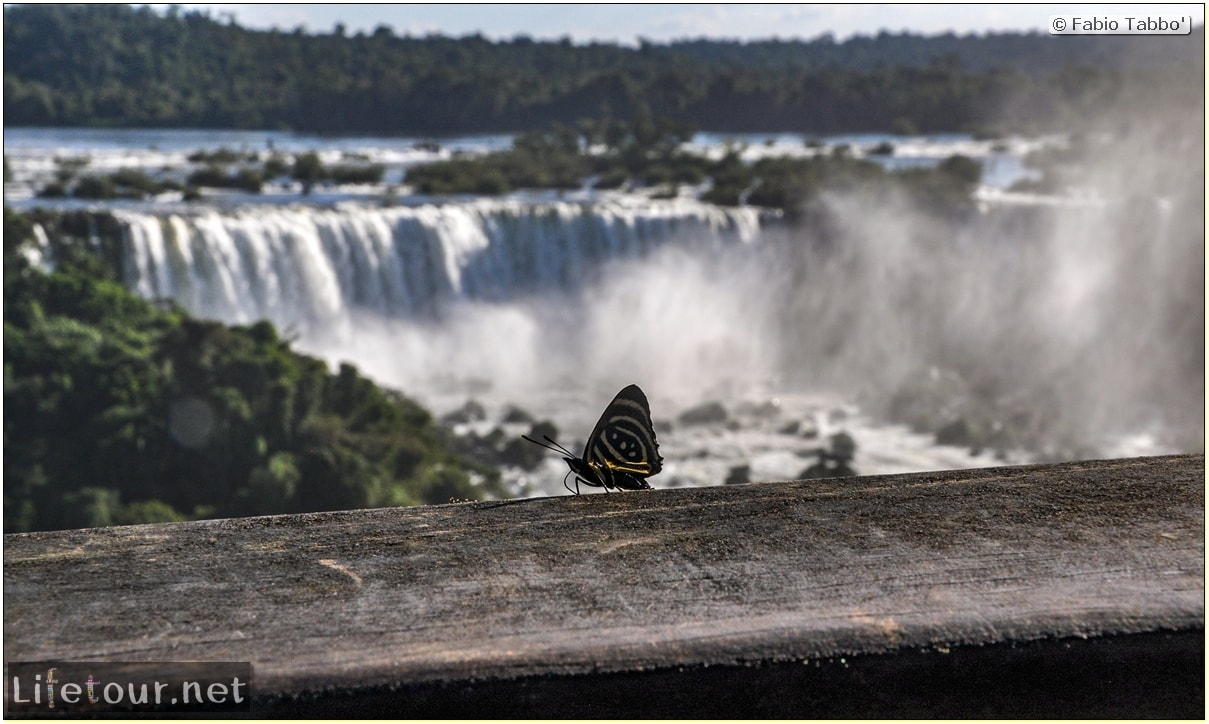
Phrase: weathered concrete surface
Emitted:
{"points": [[500, 609]]}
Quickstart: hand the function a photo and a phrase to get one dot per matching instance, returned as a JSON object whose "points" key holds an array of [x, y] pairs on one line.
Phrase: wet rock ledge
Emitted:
{"points": [[1070, 590]]}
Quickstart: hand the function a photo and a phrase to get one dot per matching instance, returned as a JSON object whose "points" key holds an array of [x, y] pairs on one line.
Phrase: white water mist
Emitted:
{"points": [[1080, 321]]}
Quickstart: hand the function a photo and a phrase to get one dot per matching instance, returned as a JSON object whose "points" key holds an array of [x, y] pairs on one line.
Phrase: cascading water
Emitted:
{"points": [[311, 268], [541, 304], [1068, 319]]}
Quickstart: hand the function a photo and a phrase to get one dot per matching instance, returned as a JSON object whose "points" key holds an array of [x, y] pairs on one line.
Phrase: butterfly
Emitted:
{"points": [[621, 453]]}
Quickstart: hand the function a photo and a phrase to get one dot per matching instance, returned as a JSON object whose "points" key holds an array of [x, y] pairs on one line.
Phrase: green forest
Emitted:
{"points": [[120, 66], [121, 411]]}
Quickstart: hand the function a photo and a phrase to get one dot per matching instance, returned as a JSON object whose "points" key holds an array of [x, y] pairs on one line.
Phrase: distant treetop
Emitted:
{"points": [[117, 65]]}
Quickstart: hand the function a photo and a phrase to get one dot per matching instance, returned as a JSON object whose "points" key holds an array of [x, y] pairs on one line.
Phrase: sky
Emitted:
{"points": [[627, 23]]}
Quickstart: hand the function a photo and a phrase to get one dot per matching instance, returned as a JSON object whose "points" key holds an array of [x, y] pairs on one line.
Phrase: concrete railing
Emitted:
{"points": [[1064, 590]]}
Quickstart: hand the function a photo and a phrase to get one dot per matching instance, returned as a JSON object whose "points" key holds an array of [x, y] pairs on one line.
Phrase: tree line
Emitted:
{"points": [[116, 65]]}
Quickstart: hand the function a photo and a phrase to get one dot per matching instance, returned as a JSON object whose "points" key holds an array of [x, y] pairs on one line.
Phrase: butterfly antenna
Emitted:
{"points": [[552, 446], [556, 447], [560, 447]]}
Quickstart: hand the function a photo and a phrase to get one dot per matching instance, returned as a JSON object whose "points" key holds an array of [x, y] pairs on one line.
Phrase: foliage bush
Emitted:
{"points": [[126, 183], [562, 158], [648, 153], [95, 187], [119, 411], [356, 173], [244, 179], [309, 170], [219, 157]]}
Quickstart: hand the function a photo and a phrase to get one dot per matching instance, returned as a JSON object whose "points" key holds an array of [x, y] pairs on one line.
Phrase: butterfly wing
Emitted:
{"points": [[622, 447]]}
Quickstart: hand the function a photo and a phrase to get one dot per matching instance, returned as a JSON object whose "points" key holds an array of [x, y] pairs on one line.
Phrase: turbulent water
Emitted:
{"points": [[550, 306], [317, 269], [1073, 324], [493, 296], [554, 306]]}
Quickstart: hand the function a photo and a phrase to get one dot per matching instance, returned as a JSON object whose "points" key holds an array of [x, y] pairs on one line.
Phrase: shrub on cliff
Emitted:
{"points": [[118, 410]]}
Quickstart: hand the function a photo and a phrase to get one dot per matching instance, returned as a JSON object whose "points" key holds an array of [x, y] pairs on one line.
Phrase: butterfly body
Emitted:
{"points": [[621, 453], [604, 476]]}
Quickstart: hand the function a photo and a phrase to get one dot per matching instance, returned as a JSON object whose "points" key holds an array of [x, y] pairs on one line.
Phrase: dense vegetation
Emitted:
{"points": [[114, 65], [612, 152], [221, 169], [647, 153], [121, 411]]}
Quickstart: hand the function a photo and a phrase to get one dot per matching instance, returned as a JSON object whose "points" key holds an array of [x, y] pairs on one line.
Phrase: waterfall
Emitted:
{"points": [[1061, 326], [40, 255], [310, 268]]}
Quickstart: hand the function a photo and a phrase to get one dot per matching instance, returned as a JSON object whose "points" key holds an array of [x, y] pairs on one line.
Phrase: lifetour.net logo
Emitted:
{"points": [[67, 688]]}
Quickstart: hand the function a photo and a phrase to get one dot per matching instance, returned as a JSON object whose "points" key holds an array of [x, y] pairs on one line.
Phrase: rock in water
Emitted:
{"points": [[708, 413]]}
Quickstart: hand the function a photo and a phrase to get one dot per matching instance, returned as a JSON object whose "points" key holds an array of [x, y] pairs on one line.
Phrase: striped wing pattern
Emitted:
{"points": [[622, 451]]}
